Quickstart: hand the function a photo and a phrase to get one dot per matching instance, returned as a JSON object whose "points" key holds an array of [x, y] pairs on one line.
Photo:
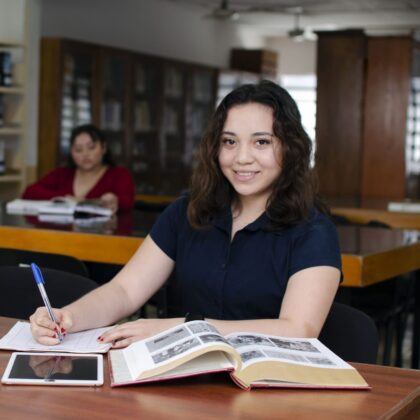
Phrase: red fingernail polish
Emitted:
{"points": [[55, 335], [63, 330], [56, 329]]}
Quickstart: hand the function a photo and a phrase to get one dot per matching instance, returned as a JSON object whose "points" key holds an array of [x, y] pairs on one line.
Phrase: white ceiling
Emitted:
{"points": [[277, 17]]}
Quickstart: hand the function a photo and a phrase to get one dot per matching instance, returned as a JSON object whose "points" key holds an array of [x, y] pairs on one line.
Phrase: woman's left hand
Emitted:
{"points": [[129, 332], [110, 201]]}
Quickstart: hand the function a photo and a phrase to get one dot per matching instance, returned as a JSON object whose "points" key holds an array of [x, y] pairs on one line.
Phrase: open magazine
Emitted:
{"points": [[69, 206], [253, 360], [60, 206]]}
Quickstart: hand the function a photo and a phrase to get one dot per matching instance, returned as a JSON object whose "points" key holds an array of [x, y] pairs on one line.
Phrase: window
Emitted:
{"points": [[413, 129], [302, 88]]}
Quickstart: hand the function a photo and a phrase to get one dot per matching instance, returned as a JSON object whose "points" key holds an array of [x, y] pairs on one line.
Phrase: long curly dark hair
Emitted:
{"points": [[294, 192], [96, 135]]}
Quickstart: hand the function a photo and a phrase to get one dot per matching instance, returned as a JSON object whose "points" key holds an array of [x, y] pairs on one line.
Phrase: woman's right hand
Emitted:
{"points": [[44, 330]]}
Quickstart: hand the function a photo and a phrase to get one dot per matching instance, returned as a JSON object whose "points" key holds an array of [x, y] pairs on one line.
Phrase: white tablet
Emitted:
{"points": [[54, 369]]}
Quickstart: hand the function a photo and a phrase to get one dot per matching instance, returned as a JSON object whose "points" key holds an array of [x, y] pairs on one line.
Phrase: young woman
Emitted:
{"points": [[250, 246], [90, 174]]}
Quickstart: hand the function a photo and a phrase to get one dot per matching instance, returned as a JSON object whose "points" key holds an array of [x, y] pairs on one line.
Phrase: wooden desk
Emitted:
{"points": [[395, 394], [397, 220], [364, 210], [112, 249], [369, 255]]}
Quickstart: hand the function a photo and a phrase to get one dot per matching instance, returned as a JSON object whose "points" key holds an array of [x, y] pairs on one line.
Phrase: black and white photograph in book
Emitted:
{"points": [[295, 345], [321, 361], [200, 327], [249, 340], [254, 354], [175, 350], [207, 338], [283, 355], [165, 340]]}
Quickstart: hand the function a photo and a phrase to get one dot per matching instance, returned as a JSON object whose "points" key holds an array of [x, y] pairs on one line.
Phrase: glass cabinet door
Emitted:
{"points": [[114, 91], [200, 105], [76, 100], [172, 156], [145, 139]]}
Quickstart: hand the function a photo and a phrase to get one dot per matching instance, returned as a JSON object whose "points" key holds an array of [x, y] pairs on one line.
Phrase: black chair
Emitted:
{"points": [[19, 294], [351, 334], [10, 257]]}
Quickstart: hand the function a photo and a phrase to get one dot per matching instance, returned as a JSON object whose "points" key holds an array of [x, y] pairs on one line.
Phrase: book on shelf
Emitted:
{"points": [[2, 157], [253, 360], [62, 206], [406, 206], [5, 68]]}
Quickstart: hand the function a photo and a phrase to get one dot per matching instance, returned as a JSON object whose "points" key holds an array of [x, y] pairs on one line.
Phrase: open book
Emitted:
{"points": [[59, 206], [406, 206], [253, 360]]}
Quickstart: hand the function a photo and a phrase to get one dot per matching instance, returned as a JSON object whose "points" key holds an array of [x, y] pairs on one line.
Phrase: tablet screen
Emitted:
{"points": [[54, 369]]}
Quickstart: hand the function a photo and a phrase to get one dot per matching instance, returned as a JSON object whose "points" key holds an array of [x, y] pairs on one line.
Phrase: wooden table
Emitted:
{"points": [[395, 394], [397, 220], [365, 210], [369, 255]]}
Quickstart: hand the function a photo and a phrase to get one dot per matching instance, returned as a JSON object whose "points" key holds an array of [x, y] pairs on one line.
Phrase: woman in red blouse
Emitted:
{"points": [[90, 174]]}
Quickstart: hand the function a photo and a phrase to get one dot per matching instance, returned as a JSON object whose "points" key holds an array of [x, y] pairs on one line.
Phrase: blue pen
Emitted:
{"points": [[40, 282]]}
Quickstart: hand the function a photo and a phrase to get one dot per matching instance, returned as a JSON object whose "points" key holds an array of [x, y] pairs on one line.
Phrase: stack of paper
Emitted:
{"points": [[20, 338]]}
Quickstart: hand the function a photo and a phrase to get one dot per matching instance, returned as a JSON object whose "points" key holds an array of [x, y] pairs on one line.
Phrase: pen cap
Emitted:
{"points": [[37, 274]]}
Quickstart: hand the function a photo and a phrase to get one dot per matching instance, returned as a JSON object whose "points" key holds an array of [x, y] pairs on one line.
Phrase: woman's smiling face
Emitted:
{"points": [[250, 156]]}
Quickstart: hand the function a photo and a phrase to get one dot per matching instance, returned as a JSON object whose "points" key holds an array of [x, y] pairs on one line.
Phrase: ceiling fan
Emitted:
{"points": [[297, 33], [223, 12]]}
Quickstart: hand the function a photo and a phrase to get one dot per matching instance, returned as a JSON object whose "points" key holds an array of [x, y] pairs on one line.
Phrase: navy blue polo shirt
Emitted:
{"points": [[245, 278]]}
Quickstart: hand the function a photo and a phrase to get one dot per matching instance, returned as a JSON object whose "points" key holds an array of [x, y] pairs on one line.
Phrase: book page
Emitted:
{"points": [[58, 206], [201, 364], [408, 206], [278, 361], [95, 207], [20, 338], [168, 350], [21, 206], [307, 351]]}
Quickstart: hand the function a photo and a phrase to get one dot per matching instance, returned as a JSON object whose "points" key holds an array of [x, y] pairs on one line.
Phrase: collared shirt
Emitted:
{"points": [[243, 278]]}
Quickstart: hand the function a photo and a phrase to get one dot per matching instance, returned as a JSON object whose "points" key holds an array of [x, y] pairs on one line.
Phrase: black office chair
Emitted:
{"points": [[19, 294], [351, 334], [10, 257]]}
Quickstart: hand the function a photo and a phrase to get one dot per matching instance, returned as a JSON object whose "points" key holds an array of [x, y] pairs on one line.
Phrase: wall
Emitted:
{"points": [[153, 26], [294, 57], [34, 31], [16, 23]]}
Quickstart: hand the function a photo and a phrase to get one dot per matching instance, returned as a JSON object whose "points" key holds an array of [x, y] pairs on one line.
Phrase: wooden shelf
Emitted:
{"points": [[11, 131], [11, 176], [12, 89], [11, 43], [127, 76]]}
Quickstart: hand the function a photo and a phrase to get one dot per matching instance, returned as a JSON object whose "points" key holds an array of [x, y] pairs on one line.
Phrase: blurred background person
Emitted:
{"points": [[90, 174]]}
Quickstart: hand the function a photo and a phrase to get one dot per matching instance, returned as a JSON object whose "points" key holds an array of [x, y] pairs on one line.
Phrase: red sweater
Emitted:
{"points": [[59, 183]]}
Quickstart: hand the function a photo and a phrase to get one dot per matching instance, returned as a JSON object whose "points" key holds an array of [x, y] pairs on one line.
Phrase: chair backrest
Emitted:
{"points": [[62, 262], [19, 294], [351, 334]]}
